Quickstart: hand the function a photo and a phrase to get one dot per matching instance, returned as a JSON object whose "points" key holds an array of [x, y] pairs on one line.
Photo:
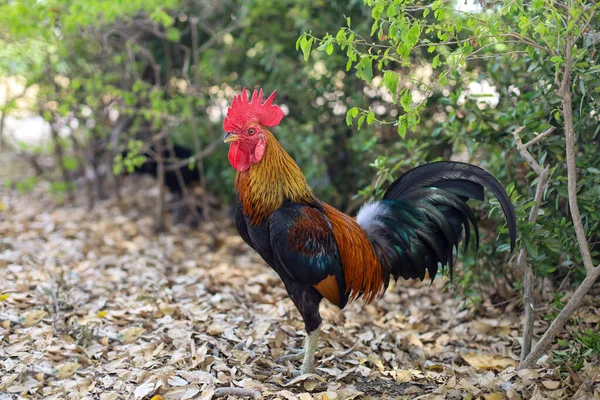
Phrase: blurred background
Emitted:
{"points": [[99, 97]]}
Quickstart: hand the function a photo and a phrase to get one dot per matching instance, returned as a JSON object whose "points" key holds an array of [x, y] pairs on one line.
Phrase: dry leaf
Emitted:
{"points": [[512, 394], [132, 334], [217, 328], [488, 361], [468, 386], [482, 327], [286, 394], [220, 318], [33, 317], [431, 366], [310, 385], [377, 362], [402, 376], [188, 392], [177, 381], [143, 390], [551, 385], [528, 375], [413, 390], [67, 369]]}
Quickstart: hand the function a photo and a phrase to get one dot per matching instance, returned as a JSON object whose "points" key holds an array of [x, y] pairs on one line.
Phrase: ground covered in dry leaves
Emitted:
{"points": [[95, 305]]}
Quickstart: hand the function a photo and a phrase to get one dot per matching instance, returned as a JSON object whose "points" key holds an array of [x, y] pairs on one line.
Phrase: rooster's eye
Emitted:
{"points": [[251, 131]]}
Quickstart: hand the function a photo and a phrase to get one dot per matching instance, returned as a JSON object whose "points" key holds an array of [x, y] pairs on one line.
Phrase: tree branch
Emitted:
{"points": [[528, 275], [540, 137], [196, 79], [160, 206], [567, 111], [522, 149], [528, 42], [561, 319], [197, 157], [186, 195]]}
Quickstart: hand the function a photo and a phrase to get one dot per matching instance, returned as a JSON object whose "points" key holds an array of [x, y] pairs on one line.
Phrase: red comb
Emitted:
{"points": [[243, 111]]}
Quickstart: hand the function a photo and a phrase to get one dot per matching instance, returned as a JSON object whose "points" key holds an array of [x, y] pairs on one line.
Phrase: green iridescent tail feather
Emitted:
{"points": [[424, 215]]}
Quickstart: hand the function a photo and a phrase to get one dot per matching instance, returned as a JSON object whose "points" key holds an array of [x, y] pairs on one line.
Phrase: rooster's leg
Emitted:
{"points": [[310, 348], [307, 300]]}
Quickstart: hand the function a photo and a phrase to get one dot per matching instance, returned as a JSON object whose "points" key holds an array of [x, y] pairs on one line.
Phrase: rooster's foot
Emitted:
{"points": [[294, 373], [291, 357]]}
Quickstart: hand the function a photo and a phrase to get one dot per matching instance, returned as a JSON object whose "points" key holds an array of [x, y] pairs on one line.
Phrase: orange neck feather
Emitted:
{"points": [[264, 187]]}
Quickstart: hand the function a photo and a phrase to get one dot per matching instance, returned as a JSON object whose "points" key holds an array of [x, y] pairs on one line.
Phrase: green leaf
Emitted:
{"points": [[402, 129], [364, 69], [341, 35], [306, 46], [390, 80], [532, 249], [173, 35], [361, 120], [299, 40], [406, 100], [350, 115], [374, 27], [391, 11], [413, 34], [370, 117], [459, 24], [436, 62], [70, 163], [329, 49]]}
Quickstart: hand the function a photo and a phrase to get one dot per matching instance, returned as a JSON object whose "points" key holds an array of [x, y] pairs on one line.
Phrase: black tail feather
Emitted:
{"points": [[423, 215], [461, 179]]}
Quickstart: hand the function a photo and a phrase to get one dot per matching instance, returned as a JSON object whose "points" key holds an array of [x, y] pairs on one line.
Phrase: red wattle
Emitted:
{"points": [[239, 158]]}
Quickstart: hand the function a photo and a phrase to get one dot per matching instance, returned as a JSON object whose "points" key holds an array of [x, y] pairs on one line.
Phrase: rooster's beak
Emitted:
{"points": [[230, 137]]}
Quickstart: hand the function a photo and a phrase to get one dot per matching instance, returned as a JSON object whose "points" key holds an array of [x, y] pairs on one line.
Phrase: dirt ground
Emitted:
{"points": [[94, 304]]}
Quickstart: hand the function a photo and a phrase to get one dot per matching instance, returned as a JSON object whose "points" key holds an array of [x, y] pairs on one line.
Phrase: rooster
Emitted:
{"points": [[320, 252]]}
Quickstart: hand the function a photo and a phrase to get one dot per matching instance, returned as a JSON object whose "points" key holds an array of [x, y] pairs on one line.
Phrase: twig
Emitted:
{"points": [[196, 79], [198, 156], [218, 35], [528, 276], [186, 194], [89, 187], [239, 392], [528, 42], [525, 153], [540, 137], [160, 207]]}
